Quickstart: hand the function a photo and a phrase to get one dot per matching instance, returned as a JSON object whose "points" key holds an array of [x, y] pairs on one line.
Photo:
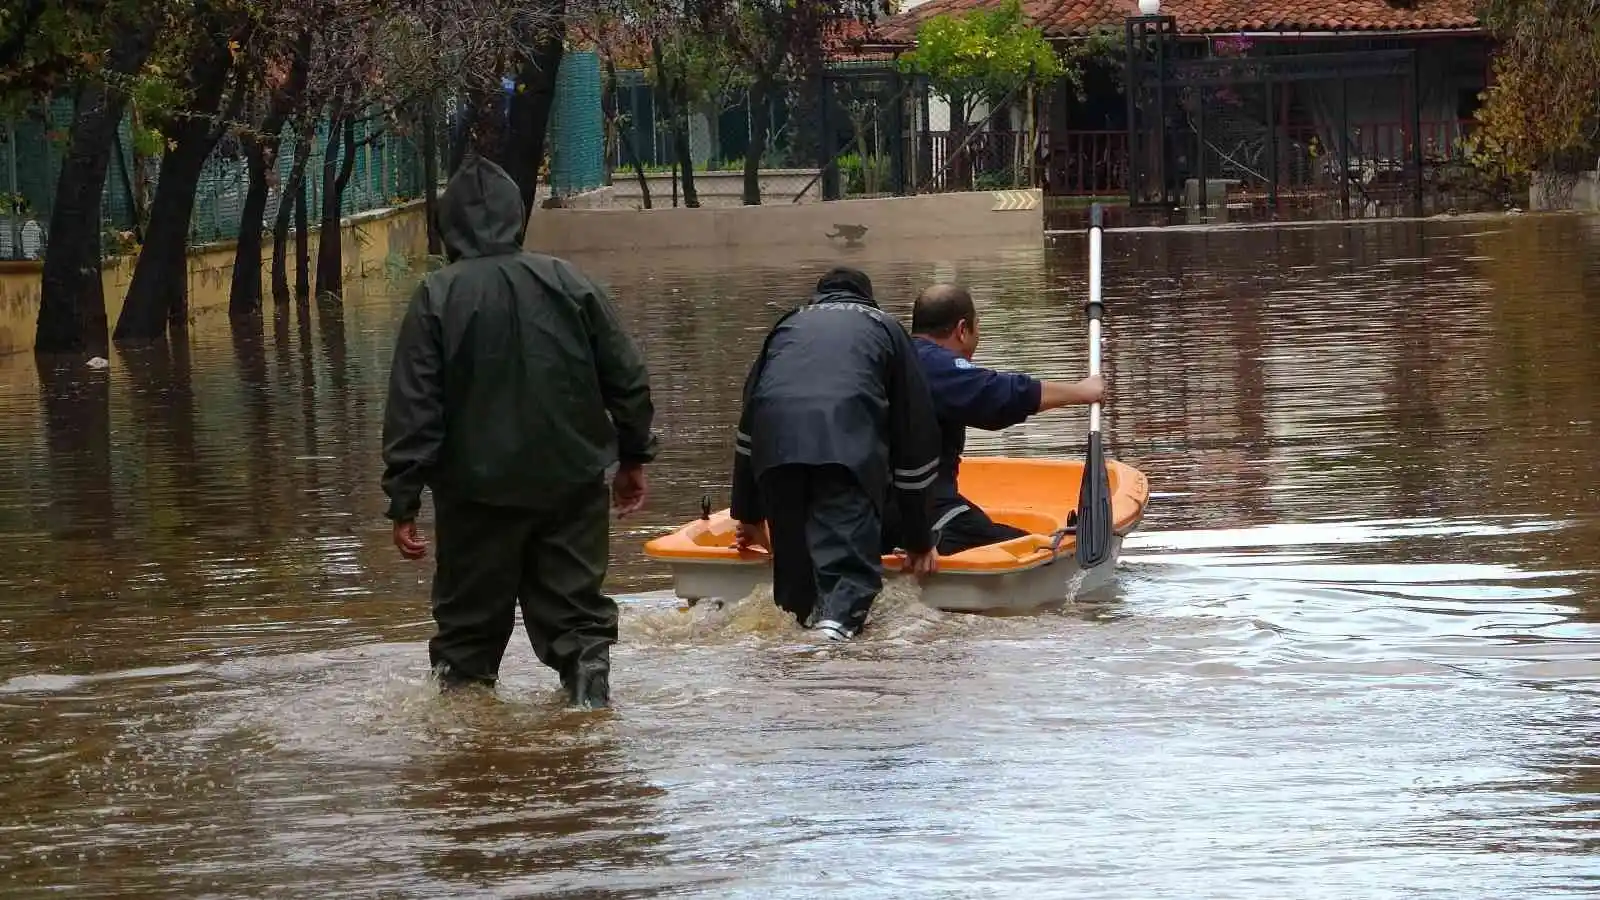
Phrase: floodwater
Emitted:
{"points": [[1353, 653]]}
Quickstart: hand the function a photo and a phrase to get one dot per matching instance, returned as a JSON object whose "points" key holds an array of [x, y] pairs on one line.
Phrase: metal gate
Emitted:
{"points": [[1192, 120]]}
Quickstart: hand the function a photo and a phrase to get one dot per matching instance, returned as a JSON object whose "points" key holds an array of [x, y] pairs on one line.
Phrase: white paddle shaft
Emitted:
{"points": [[1095, 239]]}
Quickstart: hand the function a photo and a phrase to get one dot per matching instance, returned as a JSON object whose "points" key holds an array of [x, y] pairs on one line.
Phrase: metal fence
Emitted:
{"points": [[387, 170], [856, 130]]}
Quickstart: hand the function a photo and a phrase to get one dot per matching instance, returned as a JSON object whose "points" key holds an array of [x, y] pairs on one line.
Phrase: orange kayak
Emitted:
{"points": [[1019, 575]]}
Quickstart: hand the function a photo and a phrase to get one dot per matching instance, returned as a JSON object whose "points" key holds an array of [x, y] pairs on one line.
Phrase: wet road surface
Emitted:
{"points": [[1353, 652]]}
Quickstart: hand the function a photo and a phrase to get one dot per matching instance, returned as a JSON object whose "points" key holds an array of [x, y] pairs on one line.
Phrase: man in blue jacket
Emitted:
{"points": [[944, 325]]}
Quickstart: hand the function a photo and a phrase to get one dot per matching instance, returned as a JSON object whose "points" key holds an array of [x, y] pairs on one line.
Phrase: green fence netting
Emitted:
{"points": [[577, 125]]}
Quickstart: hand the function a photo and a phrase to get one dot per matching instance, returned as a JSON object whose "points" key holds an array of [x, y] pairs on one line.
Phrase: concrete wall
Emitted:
{"points": [[1580, 192], [798, 229]]}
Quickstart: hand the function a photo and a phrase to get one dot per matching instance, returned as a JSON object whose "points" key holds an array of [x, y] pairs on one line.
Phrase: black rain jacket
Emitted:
{"points": [[838, 382], [513, 382]]}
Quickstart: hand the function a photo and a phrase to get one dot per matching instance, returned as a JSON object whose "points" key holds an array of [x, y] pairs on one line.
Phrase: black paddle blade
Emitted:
{"points": [[1094, 507]]}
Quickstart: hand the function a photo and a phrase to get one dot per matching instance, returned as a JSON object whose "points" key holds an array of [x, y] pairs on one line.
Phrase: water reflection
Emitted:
{"points": [[1354, 652], [559, 809], [76, 405]]}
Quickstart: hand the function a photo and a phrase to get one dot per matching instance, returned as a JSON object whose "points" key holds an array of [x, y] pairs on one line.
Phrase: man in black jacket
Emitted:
{"points": [[513, 389], [837, 421]]}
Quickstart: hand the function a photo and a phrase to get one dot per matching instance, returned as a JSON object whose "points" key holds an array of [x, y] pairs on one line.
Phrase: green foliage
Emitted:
{"points": [[863, 174], [49, 45], [710, 73], [983, 55], [1545, 100]]}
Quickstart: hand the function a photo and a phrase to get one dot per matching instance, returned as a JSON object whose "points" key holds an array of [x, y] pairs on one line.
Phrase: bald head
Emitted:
{"points": [[942, 307]]}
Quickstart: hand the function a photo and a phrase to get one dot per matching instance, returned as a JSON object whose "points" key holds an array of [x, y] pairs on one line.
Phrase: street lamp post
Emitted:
{"points": [[1148, 35]]}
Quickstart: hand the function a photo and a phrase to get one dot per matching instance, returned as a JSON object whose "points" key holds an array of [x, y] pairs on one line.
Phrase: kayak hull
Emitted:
{"points": [[1018, 576], [1014, 592]]}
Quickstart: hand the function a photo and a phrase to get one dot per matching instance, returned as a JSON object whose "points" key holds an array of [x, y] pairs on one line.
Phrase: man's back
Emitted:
{"points": [[511, 366], [822, 395]]}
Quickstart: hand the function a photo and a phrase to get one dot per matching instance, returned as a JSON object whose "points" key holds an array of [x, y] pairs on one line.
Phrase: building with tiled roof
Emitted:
{"points": [[1074, 18], [1282, 130]]}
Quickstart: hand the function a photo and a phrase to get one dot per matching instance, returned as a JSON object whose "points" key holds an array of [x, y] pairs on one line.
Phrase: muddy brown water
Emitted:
{"points": [[1354, 652]]}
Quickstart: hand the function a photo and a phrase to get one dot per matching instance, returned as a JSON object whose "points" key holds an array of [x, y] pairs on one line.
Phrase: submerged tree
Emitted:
{"points": [[94, 50], [250, 71], [201, 49], [280, 65]]}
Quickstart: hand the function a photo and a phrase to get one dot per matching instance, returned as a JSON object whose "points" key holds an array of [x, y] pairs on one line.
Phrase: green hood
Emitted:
{"points": [[481, 212]]}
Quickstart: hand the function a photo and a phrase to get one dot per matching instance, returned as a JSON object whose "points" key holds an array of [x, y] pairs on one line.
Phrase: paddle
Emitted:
{"points": [[1094, 496]]}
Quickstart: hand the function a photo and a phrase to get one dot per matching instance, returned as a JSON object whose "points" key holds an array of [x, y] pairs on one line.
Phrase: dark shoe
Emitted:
{"points": [[450, 680], [590, 685], [833, 631]]}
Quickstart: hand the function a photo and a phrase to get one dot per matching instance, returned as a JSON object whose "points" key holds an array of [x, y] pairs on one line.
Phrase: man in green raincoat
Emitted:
{"points": [[513, 390]]}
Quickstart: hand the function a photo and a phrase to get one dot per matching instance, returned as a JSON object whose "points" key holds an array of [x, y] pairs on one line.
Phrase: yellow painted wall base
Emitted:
{"points": [[370, 242]]}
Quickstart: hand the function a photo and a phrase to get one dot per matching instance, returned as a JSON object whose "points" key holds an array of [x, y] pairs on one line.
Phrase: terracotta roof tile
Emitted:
{"points": [[1065, 18]]}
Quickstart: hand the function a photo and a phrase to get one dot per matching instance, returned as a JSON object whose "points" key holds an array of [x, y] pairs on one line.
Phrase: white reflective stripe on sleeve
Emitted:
{"points": [[919, 471], [916, 485], [741, 450], [950, 516]]}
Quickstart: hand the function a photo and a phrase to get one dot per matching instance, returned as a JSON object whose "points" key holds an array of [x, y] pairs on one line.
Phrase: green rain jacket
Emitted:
{"points": [[513, 382]]}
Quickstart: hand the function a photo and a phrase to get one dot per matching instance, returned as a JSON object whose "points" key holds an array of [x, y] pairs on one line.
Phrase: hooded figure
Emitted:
{"points": [[837, 422], [513, 389]]}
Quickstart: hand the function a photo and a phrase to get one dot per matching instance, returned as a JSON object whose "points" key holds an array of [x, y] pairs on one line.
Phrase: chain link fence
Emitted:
{"points": [[387, 170]]}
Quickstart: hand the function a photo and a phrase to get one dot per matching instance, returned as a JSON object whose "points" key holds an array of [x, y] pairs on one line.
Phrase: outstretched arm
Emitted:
{"points": [[983, 398], [1056, 394], [977, 397]]}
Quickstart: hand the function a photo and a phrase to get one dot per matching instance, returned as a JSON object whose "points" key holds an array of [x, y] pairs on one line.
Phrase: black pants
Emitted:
{"points": [[958, 529], [552, 561], [825, 531]]}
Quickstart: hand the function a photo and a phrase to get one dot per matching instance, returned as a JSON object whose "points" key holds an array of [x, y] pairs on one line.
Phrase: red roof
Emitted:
{"points": [[1067, 18], [853, 39], [842, 39]]}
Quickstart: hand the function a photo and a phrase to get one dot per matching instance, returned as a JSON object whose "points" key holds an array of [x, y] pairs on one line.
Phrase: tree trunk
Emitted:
{"points": [[261, 154], [161, 276], [330, 243], [295, 187], [671, 103], [638, 170], [244, 296], [758, 104], [625, 139], [159, 291], [430, 175], [531, 105], [302, 248], [680, 139], [683, 110], [957, 159], [72, 302]]}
